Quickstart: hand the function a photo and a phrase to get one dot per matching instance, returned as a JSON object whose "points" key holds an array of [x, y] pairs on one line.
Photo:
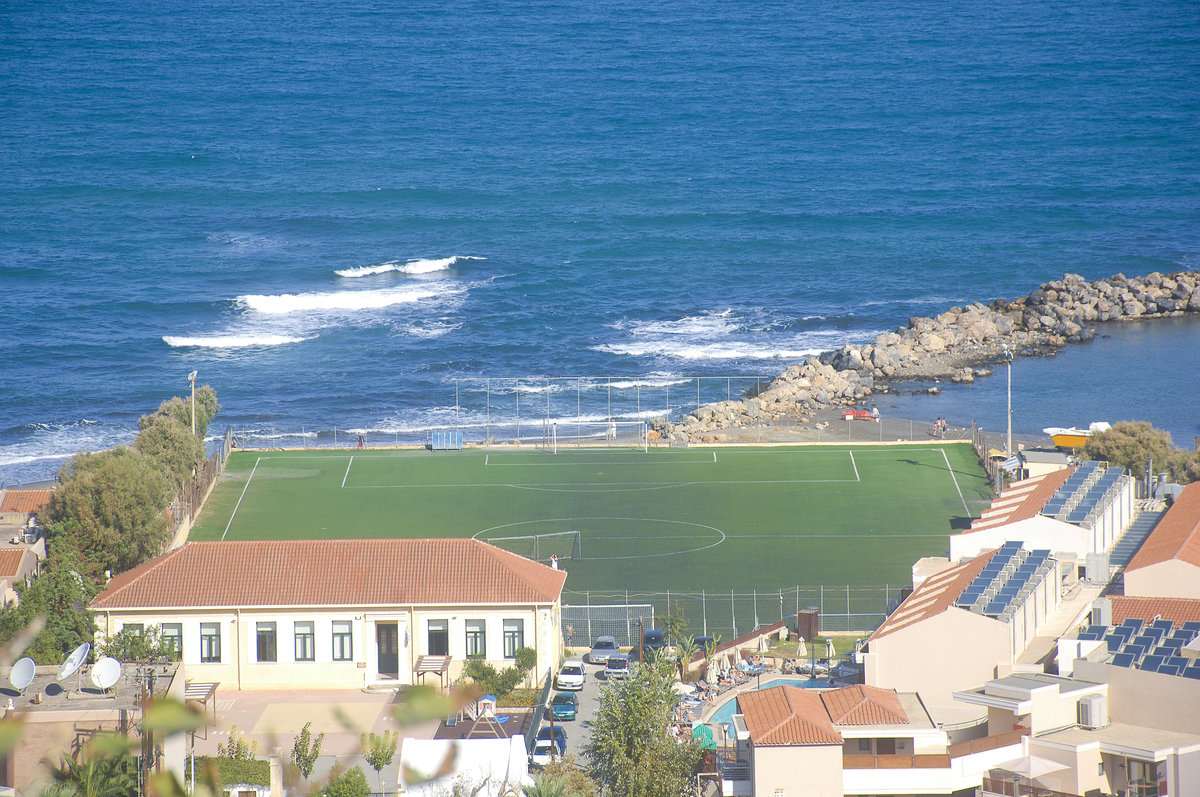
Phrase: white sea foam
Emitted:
{"points": [[431, 329], [707, 324], [726, 350], [280, 304], [416, 266], [39, 446], [230, 341]]}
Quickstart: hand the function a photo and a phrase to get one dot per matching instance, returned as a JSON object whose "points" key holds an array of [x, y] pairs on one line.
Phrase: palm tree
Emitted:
{"points": [[88, 774], [546, 786]]}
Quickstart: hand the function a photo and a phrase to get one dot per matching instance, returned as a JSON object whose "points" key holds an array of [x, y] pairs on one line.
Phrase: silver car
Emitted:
{"points": [[602, 649]]}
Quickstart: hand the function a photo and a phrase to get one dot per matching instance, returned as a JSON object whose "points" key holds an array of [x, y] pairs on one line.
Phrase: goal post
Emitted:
{"points": [[595, 434], [551, 546]]}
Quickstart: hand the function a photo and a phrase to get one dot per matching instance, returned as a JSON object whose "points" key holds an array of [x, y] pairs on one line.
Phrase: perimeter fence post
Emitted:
{"points": [[628, 632], [847, 605], [822, 601], [704, 610], [587, 596], [733, 613], [754, 597], [781, 603]]}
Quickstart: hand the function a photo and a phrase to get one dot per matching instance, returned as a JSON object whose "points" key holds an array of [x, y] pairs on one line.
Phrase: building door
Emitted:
{"points": [[885, 747], [387, 639]]}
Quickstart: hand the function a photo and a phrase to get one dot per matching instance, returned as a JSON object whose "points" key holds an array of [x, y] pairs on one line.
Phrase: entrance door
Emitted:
{"points": [[387, 639]]}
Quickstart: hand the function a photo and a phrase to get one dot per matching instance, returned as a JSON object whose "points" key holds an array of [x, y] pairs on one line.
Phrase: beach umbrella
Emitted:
{"points": [[704, 737], [764, 644], [801, 649], [829, 651], [714, 671]]}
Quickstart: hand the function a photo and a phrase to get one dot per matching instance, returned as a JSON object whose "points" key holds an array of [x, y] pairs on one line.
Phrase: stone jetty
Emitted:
{"points": [[958, 345]]}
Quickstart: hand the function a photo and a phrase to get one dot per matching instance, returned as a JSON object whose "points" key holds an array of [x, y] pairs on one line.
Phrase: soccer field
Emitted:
{"points": [[668, 519]]}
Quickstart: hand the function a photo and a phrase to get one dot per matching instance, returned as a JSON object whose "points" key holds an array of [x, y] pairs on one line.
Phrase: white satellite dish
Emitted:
{"points": [[106, 672], [22, 674], [74, 661]]}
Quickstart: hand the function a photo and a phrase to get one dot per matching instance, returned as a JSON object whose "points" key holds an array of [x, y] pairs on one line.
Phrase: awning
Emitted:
{"points": [[1032, 766]]}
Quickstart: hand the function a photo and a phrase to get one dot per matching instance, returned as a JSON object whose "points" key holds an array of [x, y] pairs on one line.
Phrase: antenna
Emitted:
{"points": [[22, 674], [106, 672], [73, 662]]}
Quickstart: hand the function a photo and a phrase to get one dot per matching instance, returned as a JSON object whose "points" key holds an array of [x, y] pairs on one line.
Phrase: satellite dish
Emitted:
{"points": [[106, 672], [22, 674], [74, 661]]}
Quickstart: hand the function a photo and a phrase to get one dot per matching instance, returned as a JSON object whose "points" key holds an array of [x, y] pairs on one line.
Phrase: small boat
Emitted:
{"points": [[861, 415], [1075, 437]]}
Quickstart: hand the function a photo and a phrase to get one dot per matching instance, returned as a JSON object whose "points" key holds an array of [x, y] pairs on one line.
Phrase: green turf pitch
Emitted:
{"points": [[667, 519]]}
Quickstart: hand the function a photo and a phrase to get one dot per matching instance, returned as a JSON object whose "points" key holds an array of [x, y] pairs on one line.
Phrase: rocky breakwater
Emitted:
{"points": [[958, 345]]}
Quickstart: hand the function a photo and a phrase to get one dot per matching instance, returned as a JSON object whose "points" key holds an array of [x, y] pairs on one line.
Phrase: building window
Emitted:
{"points": [[210, 643], [266, 642], [476, 639], [343, 641], [134, 629], [514, 637], [305, 649], [864, 745], [172, 637], [439, 638]]}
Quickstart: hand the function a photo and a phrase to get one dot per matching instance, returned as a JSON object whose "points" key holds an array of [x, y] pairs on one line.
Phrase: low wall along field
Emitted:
{"points": [[720, 519]]}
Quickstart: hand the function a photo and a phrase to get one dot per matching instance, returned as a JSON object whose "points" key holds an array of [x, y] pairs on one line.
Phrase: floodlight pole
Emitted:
{"points": [[1008, 355], [192, 382]]}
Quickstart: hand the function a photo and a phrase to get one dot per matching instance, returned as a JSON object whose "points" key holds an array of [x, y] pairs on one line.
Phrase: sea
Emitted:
{"points": [[390, 218]]}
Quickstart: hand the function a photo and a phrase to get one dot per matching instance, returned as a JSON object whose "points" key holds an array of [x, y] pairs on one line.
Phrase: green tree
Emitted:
{"points": [[1129, 444], [499, 682], [55, 602], [117, 499], [306, 749], [350, 784], [546, 786], [93, 774], [147, 646], [379, 751], [1185, 466], [632, 752], [237, 748], [568, 769], [170, 443], [673, 623]]}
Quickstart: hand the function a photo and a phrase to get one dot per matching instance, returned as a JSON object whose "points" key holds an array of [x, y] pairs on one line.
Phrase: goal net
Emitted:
{"points": [[594, 434], [563, 545]]}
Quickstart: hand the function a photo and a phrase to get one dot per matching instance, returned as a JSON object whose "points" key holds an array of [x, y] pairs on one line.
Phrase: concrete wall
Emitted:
{"points": [[1151, 699], [951, 651], [1034, 532], [800, 771], [1171, 579]]}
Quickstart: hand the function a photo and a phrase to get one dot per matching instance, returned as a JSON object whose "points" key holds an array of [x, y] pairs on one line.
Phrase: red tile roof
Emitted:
{"points": [[25, 502], [935, 595], [1177, 535], [864, 705], [787, 715], [10, 561], [1020, 500], [333, 573], [1177, 610]]}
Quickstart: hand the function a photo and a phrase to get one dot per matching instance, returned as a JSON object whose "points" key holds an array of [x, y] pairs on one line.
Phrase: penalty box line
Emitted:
{"points": [[487, 463]]}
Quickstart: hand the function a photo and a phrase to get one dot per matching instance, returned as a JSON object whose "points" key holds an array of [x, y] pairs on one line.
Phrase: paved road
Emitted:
{"points": [[579, 729]]}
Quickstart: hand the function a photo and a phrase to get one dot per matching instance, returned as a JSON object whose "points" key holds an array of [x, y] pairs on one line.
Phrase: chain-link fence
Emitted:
{"points": [[730, 613]]}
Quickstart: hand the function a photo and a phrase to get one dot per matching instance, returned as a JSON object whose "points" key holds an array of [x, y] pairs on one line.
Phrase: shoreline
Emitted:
{"points": [[958, 345]]}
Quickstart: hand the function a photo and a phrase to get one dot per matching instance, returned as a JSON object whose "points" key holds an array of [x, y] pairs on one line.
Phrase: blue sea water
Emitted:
{"points": [[333, 211]]}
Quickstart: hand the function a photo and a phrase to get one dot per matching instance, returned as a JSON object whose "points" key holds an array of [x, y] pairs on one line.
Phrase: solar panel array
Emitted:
{"points": [[1155, 646], [1087, 491], [1006, 581]]}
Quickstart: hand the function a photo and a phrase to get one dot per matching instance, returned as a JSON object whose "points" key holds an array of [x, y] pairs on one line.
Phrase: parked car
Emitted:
{"points": [[604, 647], [704, 643], [654, 642], [543, 752], [564, 705], [556, 734], [617, 666], [571, 676]]}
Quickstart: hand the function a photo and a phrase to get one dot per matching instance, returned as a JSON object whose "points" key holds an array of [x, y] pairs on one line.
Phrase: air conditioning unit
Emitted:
{"points": [[1093, 711]]}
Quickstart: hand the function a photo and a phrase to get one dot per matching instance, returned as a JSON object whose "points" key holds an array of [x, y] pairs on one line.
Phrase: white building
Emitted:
{"points": [[339, 613]]}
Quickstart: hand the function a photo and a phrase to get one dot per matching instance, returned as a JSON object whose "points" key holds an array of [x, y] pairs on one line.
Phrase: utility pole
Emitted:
{"points": [[192, 382], [1008, 355], [641, 639]]}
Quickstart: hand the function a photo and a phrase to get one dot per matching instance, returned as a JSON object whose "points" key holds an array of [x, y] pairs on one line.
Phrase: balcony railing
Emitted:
{"points": [[1008, 788], [895, 762], [730, 767], [986, 743]]}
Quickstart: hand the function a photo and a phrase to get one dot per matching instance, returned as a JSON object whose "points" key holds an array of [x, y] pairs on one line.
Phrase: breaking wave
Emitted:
{"points": [[417, 266]]}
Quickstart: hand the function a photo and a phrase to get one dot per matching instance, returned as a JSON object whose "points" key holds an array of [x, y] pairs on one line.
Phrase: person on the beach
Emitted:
{"points": [[361, 441]]}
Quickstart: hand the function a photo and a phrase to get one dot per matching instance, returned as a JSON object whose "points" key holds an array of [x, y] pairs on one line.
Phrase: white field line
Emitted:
{"points": [[956, 487], [857, 478], [349, 465], [599, 484], [240, 497], [568, 462]]}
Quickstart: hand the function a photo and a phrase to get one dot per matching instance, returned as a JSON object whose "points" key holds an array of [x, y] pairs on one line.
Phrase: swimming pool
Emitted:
{"points": [[726, 710]]}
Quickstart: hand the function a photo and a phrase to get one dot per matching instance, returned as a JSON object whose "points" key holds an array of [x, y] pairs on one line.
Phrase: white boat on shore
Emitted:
{"points": [[1074, 437]]}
